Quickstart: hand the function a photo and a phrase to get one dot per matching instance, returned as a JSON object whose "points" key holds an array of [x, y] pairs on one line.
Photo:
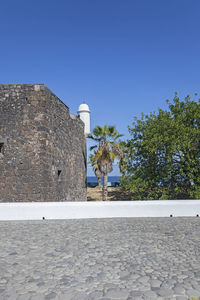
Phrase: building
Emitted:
{"points": [[42, 147], [84, 114]]}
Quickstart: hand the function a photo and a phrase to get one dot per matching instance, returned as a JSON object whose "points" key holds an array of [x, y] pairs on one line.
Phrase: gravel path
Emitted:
{"points": [[107, 259]]}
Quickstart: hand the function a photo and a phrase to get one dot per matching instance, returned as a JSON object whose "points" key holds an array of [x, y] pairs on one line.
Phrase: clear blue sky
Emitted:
{"points": [[121, 57]]}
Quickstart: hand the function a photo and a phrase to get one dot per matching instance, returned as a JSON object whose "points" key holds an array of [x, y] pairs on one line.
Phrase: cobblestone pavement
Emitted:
{"points": [[107, 259]]}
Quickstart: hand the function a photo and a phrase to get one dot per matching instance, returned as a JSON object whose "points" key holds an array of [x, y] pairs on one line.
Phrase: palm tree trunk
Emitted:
{"points": [[99, 181], [105, 183]]}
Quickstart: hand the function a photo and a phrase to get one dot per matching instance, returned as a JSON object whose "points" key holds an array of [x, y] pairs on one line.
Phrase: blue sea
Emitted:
{"points": [[111, 179]]}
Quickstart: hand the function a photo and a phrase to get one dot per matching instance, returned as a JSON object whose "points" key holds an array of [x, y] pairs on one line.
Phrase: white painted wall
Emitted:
{"points": [[84, 114], [79, 210]]}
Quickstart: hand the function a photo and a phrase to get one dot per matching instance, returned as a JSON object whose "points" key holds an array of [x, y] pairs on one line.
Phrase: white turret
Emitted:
{"points": [[84, 114]]}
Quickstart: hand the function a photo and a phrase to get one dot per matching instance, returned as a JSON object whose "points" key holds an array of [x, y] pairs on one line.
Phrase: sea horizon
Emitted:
{"points": [[110, 179]]}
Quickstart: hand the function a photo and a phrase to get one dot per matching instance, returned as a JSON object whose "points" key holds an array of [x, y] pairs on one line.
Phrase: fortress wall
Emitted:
{"points": [[41, 148], [68, 152]]}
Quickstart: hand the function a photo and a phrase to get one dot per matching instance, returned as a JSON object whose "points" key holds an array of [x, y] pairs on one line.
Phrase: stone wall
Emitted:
{"points": [[42, 147]]}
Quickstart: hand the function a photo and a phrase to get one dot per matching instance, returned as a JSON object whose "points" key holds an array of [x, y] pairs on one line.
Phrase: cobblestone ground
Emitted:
{"points": [[107, 259]]}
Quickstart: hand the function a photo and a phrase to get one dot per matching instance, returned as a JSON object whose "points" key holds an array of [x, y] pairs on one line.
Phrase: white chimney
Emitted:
{"points": [[84, 114]]}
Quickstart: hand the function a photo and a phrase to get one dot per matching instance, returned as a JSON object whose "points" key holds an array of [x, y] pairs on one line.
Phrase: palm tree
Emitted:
{"points": [[106, 138], [95, 166]]}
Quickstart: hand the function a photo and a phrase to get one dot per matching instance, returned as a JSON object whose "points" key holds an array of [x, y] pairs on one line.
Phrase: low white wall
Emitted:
{"points": [[78, 210]]}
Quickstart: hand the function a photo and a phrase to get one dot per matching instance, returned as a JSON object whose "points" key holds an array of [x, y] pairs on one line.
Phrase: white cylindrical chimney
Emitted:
{"points": [[84, 114]]}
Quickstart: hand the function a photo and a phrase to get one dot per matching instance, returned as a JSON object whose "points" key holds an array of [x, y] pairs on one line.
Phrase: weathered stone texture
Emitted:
{"points": [[42, 149]]}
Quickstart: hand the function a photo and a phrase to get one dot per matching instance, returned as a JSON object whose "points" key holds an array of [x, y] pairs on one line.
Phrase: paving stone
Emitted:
{"points": [[26, 296], [150, 294], [197, 275], [109, 285], [40, 283], [124, 273], [179, 290], [167, 285], [143, 279], [80, 296], [135, 293], [38, 297], [178, 284], [3, 281], [117, 293], [95, 295], [66, 295], [196, 286], [193, 293], [89, 279], [165, 292], [155, 283], [51, 295], [11, 295]]}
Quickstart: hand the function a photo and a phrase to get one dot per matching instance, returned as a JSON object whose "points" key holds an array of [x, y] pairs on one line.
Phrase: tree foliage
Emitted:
{"points": [[163, 154]]}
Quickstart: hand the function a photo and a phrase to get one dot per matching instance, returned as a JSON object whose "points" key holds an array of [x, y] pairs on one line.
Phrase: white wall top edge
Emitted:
{"points": [[101, 203], [85, 210]]}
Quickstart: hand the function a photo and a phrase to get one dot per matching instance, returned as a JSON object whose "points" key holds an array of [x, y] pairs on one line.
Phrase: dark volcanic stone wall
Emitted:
{"points": [[42, 148]]}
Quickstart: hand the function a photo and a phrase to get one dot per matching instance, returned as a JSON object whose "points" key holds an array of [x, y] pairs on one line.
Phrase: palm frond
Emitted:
{"points": [[97, 131], [112, 156], [90, 136], [93, 147], [112, 131], [118, 136]]}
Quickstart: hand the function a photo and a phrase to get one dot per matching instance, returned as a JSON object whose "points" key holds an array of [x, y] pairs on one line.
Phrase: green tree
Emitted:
{"points": [[107, 150], [122, 153], [163, 155]]}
